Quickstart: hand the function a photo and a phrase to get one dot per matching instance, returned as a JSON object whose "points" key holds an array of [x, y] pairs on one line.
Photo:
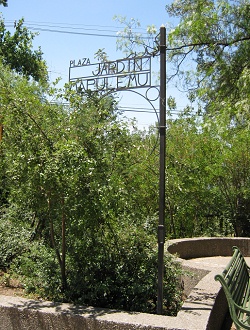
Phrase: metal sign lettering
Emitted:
{"points": [[123, 74]]}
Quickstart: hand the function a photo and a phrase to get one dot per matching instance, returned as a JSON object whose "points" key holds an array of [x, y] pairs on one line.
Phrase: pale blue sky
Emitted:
{"points": [[81, 16]]}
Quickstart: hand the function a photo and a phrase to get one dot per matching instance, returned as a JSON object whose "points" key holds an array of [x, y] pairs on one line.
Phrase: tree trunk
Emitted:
{"points": [[61, 259], [242, 217], [63, 263]]}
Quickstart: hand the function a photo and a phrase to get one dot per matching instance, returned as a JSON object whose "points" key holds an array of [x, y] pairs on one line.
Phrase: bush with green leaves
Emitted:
{"points": [[14, 238], [22, 256], [119, 270], [38, 271], [112, 266], [103, 271]]}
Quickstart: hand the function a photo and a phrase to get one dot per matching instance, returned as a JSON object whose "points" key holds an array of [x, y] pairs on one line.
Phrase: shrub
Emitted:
{"points": [[13, 240], [39, 271], [123, 275], [106, 267]]}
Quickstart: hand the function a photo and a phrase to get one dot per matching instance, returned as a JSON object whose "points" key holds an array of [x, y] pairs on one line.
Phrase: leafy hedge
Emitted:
{"points": [[102, 271]]}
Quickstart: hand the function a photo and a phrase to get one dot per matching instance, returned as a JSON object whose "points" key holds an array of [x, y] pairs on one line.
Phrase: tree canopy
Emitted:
{"points": [[75, 179], [215, 35], [17, 52], [4, 3], [208, 59]]}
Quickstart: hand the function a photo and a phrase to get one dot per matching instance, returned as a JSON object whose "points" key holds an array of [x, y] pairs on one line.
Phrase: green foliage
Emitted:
{"points": [[214, 35], [232, 175], [4, 3], [191, 198], [79, 189], [38, 271], [85, 187], [124, 275], [17, 52], [101, 55], [14, 238], [131, 42], [81, 178]]}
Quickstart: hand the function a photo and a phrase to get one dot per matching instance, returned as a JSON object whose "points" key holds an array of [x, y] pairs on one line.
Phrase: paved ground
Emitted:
{"points": [[215, 262]]}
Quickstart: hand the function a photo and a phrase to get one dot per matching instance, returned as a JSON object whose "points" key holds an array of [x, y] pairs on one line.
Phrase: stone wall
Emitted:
{"points": [[189, 248]]}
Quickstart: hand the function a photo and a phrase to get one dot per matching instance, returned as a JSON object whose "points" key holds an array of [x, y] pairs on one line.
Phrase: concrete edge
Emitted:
{"points": [[23, 314]]}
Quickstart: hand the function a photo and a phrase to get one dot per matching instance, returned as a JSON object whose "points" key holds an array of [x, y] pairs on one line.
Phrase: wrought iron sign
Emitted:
{"points": [[119, 75], [129, 74]]}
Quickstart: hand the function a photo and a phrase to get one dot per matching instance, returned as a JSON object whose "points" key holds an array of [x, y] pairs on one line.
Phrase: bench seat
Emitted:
{"points": [[235, 282]]}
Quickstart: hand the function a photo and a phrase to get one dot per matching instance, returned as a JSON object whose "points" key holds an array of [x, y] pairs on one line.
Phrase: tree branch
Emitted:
{"points": [[218, 43]]}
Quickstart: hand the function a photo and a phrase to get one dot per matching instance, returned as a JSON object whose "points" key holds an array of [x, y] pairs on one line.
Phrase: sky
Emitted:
{"points": [[71, 30]]}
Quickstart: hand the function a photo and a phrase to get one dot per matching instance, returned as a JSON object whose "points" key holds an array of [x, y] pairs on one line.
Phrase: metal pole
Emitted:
{"points": [[162, 132]]}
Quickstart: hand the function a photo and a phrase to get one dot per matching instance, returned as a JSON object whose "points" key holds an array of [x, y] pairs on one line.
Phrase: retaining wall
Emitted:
{"points": [[208, 246]]}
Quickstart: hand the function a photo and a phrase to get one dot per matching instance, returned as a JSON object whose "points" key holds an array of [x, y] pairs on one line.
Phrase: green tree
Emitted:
{"points": [[4, 3], [215, 36], [207, 172], [24, 114], [17, 52], [193, 199], [69, 174], [230, 171]]}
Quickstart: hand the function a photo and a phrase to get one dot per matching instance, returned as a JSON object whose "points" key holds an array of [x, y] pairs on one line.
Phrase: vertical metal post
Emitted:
{"points": [[162, 132]]}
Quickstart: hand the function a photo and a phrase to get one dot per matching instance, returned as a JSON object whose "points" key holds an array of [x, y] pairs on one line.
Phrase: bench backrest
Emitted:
{"points": [[235, 282]]}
